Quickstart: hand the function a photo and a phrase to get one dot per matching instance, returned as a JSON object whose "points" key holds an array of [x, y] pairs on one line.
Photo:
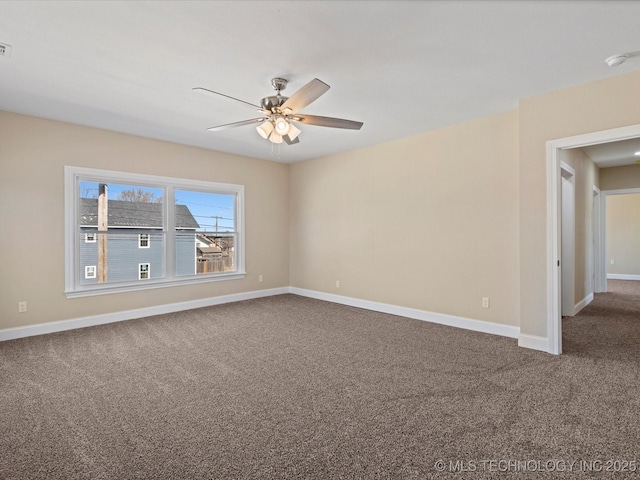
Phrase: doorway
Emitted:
{"points": [[554, 222]]}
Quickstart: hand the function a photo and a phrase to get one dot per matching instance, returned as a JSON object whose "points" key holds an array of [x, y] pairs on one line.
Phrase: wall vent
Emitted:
{"points": [[5, 50]]}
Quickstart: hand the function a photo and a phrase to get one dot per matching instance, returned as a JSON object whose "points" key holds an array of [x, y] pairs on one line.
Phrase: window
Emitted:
{"points": [[143, 240], [118, 224], [90, 271], [143, 271]]}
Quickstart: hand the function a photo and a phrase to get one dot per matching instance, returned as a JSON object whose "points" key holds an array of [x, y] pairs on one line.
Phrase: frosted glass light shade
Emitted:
{"points": [[275, 138], [265, 129], [282, 126], [293, 131]]}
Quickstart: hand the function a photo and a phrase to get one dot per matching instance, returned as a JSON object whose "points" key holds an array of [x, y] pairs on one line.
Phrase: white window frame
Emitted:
{"points": [[148, 271], [148, 240], [90, 271], [74, 175], [90, 237]]}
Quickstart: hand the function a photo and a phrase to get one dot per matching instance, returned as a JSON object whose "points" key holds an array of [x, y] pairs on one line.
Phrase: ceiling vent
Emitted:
{"points": [[5, 50]]}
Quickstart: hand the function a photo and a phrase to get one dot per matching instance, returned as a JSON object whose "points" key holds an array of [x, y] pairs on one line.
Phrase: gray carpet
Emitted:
{"points": [[291, 387]]}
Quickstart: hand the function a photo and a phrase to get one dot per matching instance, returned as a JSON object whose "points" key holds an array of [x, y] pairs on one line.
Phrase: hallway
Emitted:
{"points": [[609, 327]]}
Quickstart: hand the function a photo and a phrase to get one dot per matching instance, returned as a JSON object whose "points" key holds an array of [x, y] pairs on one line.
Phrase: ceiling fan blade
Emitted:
{"points": [[236, 124], [307, 94], [223, 95], [289, 141], [327, 121]]}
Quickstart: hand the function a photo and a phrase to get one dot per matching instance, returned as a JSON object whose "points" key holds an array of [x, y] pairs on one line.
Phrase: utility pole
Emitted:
{"points": [[103, 226]]}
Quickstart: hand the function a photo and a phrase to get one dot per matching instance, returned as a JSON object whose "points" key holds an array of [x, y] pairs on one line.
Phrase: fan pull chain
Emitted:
{"points": [[272, 150]]}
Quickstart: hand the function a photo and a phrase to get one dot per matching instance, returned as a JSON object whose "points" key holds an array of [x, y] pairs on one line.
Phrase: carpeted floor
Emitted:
{"points": [[291, 387]]}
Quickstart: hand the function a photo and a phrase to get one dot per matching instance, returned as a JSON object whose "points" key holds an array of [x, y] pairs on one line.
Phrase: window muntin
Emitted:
{"points": [[90, 271], [149, 212], [143, 240], [144, 271]]}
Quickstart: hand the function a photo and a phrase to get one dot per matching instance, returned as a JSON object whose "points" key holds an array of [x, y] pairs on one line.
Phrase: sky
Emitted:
{"points": [[208, 209]]}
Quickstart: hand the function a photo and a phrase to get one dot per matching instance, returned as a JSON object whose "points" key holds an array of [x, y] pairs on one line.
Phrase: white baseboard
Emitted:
{"points": [[440, 318], [43, 328], [582, 303], [620, 276], [533, 342]]}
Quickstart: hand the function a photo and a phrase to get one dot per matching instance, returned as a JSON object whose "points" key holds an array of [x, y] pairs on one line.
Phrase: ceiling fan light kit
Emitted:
{"points": [[265, 129], [279, 112], [282, 126]]}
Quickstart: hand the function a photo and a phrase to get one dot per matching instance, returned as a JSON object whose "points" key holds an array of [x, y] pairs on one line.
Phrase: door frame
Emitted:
{"points": [[599, 231], [568, 242], [554, 317], [603, 224]]}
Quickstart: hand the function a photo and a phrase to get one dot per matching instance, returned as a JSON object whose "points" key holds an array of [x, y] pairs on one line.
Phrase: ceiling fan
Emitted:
{"points": [[281, 113]]}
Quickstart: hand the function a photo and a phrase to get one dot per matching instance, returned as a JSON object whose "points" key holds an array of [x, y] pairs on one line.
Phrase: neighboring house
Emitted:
{"points": [[215, 254], [135, 245]]}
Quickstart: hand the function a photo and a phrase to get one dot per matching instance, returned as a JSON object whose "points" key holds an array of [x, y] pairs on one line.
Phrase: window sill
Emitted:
{"points": [[151, 284]]}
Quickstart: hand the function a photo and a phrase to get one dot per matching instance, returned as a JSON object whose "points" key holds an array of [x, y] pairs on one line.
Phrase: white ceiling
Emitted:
{"points": [[614, 154], [402, 68]]}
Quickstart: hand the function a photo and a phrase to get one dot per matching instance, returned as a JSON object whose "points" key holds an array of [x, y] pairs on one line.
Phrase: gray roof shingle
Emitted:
{"points": [[133, 214]]}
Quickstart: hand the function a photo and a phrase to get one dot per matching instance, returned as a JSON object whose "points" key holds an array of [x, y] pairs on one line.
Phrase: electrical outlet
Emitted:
{"points": [[260, 278], [22, 307], [337, 283], [612, 261], [485, 302]]}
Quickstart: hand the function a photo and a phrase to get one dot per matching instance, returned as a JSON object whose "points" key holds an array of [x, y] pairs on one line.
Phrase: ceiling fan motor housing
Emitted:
{"points": [[273, 102]]}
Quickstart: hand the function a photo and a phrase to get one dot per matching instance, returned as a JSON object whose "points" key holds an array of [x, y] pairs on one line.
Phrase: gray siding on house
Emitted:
{"points": [[123, 258], [186, 254], [124, 254]]}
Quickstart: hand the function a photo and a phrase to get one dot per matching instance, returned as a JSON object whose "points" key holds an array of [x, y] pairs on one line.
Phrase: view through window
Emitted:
{"points": [[157, 230]]}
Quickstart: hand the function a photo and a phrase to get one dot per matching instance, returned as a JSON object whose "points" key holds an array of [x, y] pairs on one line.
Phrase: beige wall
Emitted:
{"points": [[587, 108], [33, 154], [623, 234], [428, 222], [433, 222], [586, 177], [620, 178]]}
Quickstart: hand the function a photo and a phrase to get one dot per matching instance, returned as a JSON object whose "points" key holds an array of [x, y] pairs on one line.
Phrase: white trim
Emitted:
{"points": [[533, 342], [147, 271], [156, 283], [554, 315], [603, 226], [52, 327], [624, 191], [568, 244], [554, 325], [582, 303], [439, 318], [433, 317], [599, 267], [89, 269], [148, 239], [622, 276]]}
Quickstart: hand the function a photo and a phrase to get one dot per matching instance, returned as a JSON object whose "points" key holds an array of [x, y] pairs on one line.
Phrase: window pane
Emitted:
{"points": [[205, 232], [128, 206], [123, 258], [129, 209], [118, 241]]}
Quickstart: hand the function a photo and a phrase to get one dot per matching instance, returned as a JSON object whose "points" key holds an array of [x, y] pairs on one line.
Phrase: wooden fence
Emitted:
{"points": [[215, 264]]}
